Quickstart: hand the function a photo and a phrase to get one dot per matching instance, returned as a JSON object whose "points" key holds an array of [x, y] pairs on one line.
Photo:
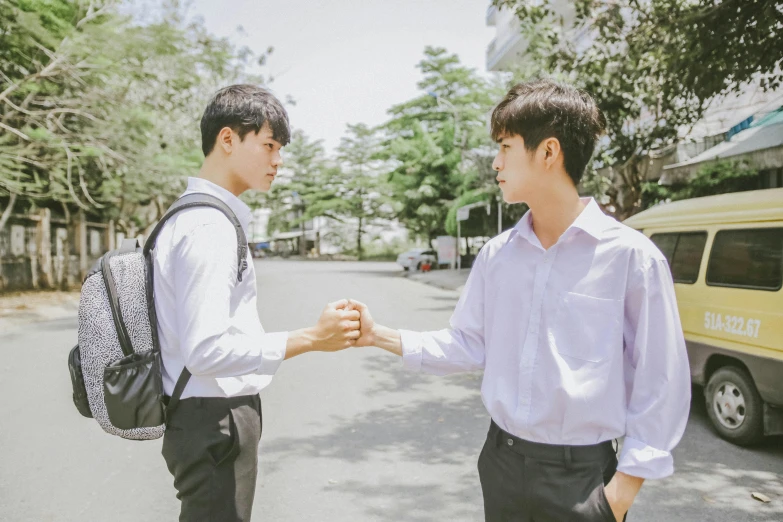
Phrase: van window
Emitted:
{"points": [[748, 258], [687, 257], [666, 244], [683, 251]]}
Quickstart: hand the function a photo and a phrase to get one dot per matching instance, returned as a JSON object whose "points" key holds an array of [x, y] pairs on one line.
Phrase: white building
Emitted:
{"points": [[730, 119], [508, 47]]}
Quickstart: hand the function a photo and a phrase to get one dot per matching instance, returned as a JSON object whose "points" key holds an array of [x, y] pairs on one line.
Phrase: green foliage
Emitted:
{"points": [[438, 151], [347, 189], [99, 113], [652, 67], [720, 177], [300, 185]]}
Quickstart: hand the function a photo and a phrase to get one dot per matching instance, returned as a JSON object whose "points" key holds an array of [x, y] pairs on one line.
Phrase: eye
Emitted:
{"points": [[271, 147]]}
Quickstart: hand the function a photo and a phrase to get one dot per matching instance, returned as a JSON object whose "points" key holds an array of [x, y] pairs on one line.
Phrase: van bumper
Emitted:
{"points": [[773, 420]]}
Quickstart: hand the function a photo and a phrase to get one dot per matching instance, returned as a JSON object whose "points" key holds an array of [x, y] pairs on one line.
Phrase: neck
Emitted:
{"points": [[217, 172], [554, 213]]}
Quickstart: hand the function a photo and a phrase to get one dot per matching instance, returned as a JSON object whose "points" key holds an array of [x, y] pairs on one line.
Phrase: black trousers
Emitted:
{"points": [[211, 448], [525, 481]]}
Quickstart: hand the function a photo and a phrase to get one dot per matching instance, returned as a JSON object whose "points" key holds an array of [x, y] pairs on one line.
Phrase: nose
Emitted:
{"points": [[497, 163], [277, 159]]}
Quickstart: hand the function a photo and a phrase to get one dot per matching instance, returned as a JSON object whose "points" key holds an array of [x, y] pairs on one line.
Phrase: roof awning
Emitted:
{"points": [[288, 235], [310, 235], [761, 144]]}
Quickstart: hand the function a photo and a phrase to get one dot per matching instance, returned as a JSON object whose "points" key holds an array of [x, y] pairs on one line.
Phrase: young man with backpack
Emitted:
{"points": [[208, 318], [573, 318]]}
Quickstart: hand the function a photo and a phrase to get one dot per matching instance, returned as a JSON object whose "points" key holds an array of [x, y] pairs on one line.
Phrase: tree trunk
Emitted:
{"points": [[359, 252], [7, 212], [44, 242]]}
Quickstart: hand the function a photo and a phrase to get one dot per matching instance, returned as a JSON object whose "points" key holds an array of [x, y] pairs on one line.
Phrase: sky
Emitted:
{"points": [[348, 61]]}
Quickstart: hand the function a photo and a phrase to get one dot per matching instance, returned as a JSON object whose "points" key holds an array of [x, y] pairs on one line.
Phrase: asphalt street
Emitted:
{"points": [[347, 436]]}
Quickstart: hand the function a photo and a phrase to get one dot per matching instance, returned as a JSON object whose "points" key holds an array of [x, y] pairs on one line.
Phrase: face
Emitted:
{"points": [[523, 173], [254, 161]]}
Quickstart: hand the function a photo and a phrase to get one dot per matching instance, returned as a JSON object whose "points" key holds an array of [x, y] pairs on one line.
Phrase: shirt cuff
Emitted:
{"points": [[641, 460], [272, 352], [411, 350]]}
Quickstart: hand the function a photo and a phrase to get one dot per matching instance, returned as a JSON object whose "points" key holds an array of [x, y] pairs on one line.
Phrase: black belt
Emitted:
{"points": [[553, 452]]}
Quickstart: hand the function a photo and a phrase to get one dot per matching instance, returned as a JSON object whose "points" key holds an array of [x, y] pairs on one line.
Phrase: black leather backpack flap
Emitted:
{"points": [[132, 391], [77, 381]]}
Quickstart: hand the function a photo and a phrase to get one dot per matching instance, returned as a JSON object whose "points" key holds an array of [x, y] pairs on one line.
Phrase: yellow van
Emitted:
{"points": [[726, 258]]}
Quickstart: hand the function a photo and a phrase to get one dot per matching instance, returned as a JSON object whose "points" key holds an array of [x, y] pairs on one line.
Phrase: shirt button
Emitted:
{"points": [[510, 442]]}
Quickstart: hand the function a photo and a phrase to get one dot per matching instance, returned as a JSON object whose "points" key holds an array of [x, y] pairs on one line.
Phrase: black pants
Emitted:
{"points": [[525, 481], [211, 448]]}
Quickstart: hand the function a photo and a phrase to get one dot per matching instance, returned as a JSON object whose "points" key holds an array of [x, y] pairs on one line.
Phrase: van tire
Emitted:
{"points": [[735, 382]]}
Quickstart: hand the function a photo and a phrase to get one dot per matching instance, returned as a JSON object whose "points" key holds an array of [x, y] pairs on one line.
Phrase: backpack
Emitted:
{"points": [[116, 367]]}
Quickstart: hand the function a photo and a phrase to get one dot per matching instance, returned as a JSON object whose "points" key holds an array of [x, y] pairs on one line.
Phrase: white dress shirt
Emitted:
{"points": [[207, 320], [580, 343]]}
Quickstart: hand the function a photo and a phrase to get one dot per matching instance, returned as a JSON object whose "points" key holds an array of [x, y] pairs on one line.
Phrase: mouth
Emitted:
{"points": [[272, 175]]}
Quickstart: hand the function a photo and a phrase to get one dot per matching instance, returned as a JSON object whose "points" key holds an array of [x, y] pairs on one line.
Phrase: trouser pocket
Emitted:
{"points": [[225, 445]]}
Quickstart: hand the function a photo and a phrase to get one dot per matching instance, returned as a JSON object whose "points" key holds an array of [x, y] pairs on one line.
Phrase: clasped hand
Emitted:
{"points": [[343, 324]]}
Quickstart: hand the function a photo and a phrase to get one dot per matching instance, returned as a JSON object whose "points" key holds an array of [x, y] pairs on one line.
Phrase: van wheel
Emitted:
{"points": [[734, 406]]}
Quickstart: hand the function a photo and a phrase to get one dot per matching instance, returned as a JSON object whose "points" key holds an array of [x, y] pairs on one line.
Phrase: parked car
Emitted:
{"points": [[413, 259], [726, 259]]}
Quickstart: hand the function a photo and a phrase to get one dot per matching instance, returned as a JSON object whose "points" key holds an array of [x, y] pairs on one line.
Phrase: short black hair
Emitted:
{"points": [[243, 108], [543, 109]]}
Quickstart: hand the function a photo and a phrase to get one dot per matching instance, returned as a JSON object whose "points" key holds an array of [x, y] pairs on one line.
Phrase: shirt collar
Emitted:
{"points": [[240, 209], [591, 220]]}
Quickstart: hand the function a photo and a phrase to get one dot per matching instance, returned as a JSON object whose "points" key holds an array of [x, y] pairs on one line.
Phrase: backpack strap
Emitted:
{"points": [[129, 245], [193, 200], [198, 199], [184, 377]]}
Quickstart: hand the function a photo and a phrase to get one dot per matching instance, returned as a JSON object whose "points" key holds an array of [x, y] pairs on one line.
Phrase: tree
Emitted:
{"points": [[435, 149], [300, 186], [100, 114], [358, 192], [347, 189], [652, 67], [40, 102]]}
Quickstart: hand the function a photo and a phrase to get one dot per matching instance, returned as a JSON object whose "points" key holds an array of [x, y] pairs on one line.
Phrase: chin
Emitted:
{"points": [[510, 199], [262, 185], [514, 198]]}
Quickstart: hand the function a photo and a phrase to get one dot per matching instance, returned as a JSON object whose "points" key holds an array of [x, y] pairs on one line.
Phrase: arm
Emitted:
{"points": [[337, 329], [658, 383], [205, 277], [460, 348]]}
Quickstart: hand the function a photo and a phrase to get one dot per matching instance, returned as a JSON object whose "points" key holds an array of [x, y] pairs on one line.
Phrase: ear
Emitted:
{"points": [[552, 153], [226, 139]]}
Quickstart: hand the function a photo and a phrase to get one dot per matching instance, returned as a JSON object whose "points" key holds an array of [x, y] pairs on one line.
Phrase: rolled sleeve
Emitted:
{"points": [[657, 375], [411, 350], [272, 352], [642, 460]]}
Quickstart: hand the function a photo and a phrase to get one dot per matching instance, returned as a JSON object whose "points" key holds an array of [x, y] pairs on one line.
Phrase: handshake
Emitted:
{"points": [[343, 324]]}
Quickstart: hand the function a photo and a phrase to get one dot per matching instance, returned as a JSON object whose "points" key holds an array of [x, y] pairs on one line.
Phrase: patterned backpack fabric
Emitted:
{"points": [[116, 367]]}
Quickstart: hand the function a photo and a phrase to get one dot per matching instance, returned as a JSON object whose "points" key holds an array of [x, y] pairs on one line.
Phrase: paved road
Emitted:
{"points": [[347, 437]]}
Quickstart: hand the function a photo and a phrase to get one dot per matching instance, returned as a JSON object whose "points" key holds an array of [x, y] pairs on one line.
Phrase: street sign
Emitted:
{"points": [[447, 250], [463, 214]]}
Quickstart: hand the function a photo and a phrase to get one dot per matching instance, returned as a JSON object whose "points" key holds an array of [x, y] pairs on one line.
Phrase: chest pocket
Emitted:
{"points": [[587, 328]]}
